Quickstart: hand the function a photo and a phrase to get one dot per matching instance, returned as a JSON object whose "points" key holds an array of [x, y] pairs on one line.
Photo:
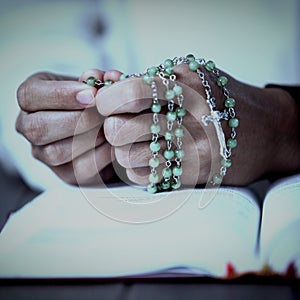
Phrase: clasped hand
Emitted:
{"points": [[81, 133]]}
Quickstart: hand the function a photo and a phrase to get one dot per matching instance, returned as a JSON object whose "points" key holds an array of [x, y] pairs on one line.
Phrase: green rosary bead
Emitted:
{"points": [[169, 71], [217, 179], [210, 66], [171, 116], [168, 63], [165, 185], [179, 132], [169, 136], [148, 79], [153, 162], [156, 108], [233, 123], [177, 90], [152, 188], [179, 153], [180, 111], [91, 81], [190, 57], [108, 82], [193, 65], [177, 171], [153, 178], [169, 154], [222, 81], [155, 128], [123, 76], [176, 185], [166, 173], [231, 143], [152, 71], [170, 94], [226, 163], [229, 102], [155, 146]]}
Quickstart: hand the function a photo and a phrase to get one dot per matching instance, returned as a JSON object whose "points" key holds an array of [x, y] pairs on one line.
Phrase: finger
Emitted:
{"points": [[84, 170], [140, 175], [64, 151], [138, 154], [113, 75], [42, 128], [191, 174], [132, 95], [49, 92], [125, 129]]}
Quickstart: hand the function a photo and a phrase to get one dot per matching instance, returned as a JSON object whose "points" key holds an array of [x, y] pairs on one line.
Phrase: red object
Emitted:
{"points": [[230, 270]]}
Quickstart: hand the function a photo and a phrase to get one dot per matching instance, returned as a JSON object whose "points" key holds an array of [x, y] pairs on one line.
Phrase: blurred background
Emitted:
{"points": [[256, 41]]}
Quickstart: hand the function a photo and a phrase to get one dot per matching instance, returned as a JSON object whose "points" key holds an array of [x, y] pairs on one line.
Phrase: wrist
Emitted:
{"points": [[286, 159], [268, 134]]}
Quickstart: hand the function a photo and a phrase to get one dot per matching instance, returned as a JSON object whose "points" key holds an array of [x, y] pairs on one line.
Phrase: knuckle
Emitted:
{"points": [[23, 95], [34, 129], [64, 172], [83, 175], [111, 130], [54, 154], [19, 123], [122, 156], [138, 155]]}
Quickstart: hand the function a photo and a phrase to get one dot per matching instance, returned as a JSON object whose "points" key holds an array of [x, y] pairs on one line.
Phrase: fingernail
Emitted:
{"points": [[85, 96]]}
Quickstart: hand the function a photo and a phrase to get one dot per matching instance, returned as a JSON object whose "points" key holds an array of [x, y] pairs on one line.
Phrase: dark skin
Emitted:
{"points": [[268, 135]]}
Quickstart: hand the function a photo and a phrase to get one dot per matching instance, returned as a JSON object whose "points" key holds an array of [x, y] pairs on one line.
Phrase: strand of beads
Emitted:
{"points": [[172, 117], [216, 116], [169, 135], [172, 171], [179, 134], [154, 145], [230, 116]]}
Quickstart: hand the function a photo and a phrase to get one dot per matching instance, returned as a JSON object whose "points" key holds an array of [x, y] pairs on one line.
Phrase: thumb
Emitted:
{"points": [[47, 91]]}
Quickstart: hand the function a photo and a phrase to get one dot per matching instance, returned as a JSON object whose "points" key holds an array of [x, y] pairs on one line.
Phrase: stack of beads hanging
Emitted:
{"points": [[173, 153]]}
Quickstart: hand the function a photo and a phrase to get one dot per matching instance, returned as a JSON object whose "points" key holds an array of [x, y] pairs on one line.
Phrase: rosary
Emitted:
{"points": [[169, 179]]}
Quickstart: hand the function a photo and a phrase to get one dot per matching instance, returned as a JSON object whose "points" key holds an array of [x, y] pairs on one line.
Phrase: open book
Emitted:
{"points": [[124, 231]]}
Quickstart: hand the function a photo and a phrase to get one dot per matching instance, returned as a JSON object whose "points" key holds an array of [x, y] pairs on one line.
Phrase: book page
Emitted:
{"points": [[280, 238], [124, 231]]}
